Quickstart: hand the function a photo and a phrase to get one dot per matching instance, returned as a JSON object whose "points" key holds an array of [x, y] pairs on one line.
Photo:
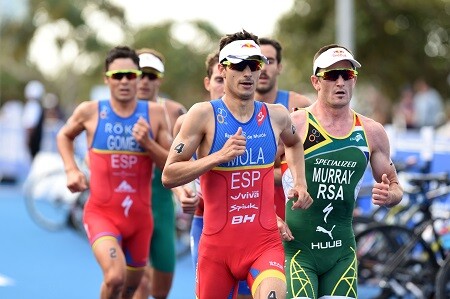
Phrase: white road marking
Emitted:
{"points": [[5, 281]]}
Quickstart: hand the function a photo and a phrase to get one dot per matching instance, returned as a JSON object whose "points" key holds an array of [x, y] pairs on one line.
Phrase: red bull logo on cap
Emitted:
{"points": [[248, 45], [339, 53]]}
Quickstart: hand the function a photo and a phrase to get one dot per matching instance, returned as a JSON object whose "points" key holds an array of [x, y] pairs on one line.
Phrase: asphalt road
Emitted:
{"points": [[38, 264]]}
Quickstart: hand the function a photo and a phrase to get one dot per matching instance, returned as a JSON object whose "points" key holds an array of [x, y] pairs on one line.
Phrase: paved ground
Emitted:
{"points": [[37, 264]]}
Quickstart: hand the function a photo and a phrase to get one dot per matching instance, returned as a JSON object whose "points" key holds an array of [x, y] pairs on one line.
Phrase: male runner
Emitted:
{"points": [[125, 138], [158, 277], [268, 92], [213, 83], [338, 143], [236, 144]]}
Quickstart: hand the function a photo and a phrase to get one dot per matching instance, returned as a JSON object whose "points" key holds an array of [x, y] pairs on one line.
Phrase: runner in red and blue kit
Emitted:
{"points": [[125, 139], [279, 199], [249, 210], [236, 144], [267, 91], [119, 190]]}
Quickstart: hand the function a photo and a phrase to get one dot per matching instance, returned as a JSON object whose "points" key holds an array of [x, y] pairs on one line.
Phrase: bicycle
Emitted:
{"points": [[53, 207], [402, 259], [443, 275], [49, 202], [411, 191], [443, 280]]}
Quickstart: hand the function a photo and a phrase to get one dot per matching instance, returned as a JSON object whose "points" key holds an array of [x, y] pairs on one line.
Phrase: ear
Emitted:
{"points": [[206, 83], [280, 68], [105, 80], [222, 70], [315, 82]]}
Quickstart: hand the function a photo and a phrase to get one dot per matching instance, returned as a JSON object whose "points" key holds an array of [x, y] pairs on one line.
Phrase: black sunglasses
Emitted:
{"points": [[254, 65], [119, 74], [150, 75], [333, 75]]}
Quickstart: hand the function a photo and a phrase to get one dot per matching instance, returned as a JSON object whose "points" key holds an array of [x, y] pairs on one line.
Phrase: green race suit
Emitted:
{"points": [[162, 249], [321, 261]]}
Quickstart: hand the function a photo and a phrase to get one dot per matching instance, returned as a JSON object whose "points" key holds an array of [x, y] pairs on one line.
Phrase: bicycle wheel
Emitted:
{"points": [[443, 280], [396, 262], [361, 222], [48, 201], [76, 213]]}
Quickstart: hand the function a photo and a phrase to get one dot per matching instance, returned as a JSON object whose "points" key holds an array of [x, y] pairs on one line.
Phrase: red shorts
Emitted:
{"points": [[220, 266], [133, 232]]}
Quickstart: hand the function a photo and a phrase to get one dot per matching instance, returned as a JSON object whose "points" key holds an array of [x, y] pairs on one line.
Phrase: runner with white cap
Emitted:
{"points": [[235, 139], [158, 277], [331, 56], [338, 143]]}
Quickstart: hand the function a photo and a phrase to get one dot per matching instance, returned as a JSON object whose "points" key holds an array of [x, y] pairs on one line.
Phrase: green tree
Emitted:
{"points": [[396, 42], [184, 57], [75, 35]]}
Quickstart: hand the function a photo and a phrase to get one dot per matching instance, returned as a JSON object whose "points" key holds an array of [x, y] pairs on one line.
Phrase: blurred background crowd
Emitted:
{"points": [[51, 60]]}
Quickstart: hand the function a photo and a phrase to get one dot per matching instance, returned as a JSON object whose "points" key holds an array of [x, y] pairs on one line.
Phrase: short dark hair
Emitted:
{"points": [[121, 52], [241, 35], [211, 60], [273, 43]]}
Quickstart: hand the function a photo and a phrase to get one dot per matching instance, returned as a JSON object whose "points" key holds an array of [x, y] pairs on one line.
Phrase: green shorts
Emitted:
{"points": [[162, 248], [326, 273]]}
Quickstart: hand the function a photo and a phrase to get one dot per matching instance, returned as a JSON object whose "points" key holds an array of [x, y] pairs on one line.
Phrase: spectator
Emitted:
{"points": [[404, 116], [428, 105], [53, 121], [14, 156], [33, 115], [444, 130]]}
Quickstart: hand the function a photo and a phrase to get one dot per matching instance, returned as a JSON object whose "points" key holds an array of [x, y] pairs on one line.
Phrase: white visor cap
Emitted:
{"points": [[331, 56], [150, 60], [239, 50]]}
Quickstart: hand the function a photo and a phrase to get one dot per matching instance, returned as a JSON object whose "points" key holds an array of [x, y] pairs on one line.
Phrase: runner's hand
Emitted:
{"points": [[285, 232], [302, 199], [76, 180], [188, 199], [234, 147], [380, 192], [141, 131]]}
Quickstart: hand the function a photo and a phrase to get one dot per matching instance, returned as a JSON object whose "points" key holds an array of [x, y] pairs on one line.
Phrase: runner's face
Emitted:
{"points": [[240, 84], [148, 89], [122, 90], [269, 73], [335, 93], [214, 84]]}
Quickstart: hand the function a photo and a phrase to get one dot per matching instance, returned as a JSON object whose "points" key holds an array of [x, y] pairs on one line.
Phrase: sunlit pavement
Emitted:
{"points": [[35, 263]]}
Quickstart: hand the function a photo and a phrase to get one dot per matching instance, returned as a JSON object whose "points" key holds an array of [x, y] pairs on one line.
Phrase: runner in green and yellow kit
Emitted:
{"points": [[338, 145]]}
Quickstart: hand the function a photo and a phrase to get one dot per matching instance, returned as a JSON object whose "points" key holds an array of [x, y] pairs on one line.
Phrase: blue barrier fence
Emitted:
{"points": [[422, 146]]}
